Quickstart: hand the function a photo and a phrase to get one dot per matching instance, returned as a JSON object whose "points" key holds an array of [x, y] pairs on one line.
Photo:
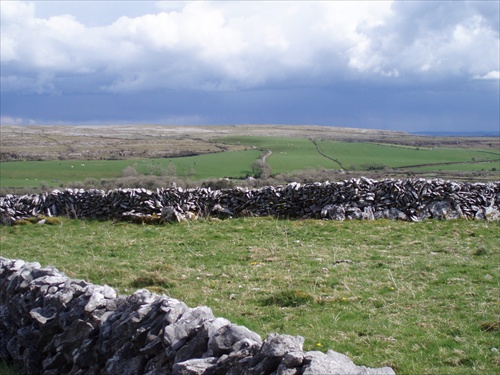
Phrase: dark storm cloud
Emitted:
{"points": [[381, 107]]}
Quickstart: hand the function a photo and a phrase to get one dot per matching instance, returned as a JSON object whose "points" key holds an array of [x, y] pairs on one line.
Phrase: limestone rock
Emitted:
{"points": [[197, 366], [50, 324], [223, 340]]}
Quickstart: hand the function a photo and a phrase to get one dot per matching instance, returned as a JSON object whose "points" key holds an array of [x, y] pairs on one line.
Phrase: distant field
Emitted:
{"points": [[33, 173], [362, 154], [297, 153], [289, 155], [478, 166], [234, 164], [53, 173]]}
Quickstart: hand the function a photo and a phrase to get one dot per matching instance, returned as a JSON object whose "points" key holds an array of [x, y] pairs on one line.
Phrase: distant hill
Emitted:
{"points": [[459, 134]]}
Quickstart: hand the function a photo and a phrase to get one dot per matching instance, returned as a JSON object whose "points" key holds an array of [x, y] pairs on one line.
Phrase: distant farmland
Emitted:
{"points": [[219, 165], [237, 155], [291, 154]]}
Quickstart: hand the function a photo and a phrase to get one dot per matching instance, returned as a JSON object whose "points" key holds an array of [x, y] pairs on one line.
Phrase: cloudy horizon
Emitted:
{"points": [[392, 65]]}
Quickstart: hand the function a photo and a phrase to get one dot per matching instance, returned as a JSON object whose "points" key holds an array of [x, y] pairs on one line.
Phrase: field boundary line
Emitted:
{"points": [[446, 163], [326, 156]]}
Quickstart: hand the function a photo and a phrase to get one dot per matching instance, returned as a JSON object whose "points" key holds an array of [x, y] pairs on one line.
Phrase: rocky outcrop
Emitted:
{"points": [[51, 324], [411, 200]]}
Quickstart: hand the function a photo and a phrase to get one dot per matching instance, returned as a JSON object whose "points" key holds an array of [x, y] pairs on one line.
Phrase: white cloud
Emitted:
{"points": [[435, 38], [493, 75], [225, 45]]}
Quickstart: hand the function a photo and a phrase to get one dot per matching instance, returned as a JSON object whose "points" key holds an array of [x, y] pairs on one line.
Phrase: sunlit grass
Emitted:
{"points": [[413, 296]]}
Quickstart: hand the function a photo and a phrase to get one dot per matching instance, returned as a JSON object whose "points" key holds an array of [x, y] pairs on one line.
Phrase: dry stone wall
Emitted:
{"points": [[411, 200], [51, 324]]}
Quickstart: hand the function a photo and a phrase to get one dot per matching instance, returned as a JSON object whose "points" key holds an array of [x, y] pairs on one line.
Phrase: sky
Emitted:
{"points": [[415, 66]]}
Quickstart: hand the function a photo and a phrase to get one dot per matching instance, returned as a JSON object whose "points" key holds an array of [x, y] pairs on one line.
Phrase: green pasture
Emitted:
{"points": [[421, 297], [288, 155], [359, 155], [235, 164], [473, 166], [53, 173]]}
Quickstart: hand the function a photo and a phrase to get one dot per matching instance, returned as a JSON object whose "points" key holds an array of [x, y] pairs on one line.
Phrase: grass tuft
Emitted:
{"points": [[290, 298], [152, 280], [480, 251]]}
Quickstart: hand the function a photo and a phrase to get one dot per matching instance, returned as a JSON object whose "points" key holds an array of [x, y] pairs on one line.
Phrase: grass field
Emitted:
{"points": [[419, 297], [299, 153], [235, 164], [53, 173], [363, 154], [476, 166], [288, 155]]}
